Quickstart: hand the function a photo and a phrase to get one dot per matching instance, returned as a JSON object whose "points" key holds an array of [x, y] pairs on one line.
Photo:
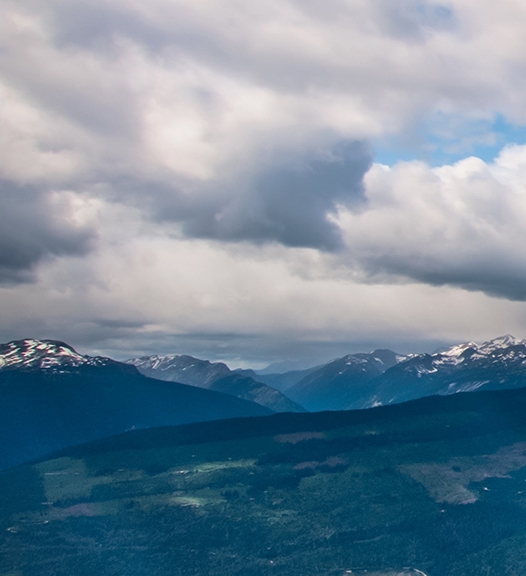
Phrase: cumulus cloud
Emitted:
{"points": [[461, 225], [204, 89]]}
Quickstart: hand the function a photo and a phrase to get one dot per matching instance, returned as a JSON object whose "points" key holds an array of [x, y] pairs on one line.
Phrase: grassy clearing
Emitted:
{"points": [[448, 482]]}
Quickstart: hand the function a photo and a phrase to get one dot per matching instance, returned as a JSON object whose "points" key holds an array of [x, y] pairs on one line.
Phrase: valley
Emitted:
{"points": [[430, 486]]}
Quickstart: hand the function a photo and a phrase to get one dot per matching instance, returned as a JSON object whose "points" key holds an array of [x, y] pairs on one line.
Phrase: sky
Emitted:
{"points": [[260, 181]]}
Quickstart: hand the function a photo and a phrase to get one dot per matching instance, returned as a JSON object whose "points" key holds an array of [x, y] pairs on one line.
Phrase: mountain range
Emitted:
{"points": [[106, 471], [359, 380], [214, 376], [340, 383], [53, 397], [383, 377]]}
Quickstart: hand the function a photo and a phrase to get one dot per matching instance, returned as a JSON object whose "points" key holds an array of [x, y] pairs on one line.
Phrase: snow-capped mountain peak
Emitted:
{"points": [[499, 343], [459, 349], [181, 368], [459, 353], [44, 354], [169, 362]]}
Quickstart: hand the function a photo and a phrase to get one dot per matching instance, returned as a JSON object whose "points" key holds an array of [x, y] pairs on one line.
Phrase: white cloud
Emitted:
{"points": [[202, 88], [461, 225]]}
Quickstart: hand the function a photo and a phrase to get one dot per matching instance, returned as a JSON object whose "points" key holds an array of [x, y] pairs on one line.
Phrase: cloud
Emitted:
{"points": [[461, 225], [289, 203], [202, 89], [209, 164], [34, 226], [152, 293], [413, 20]]}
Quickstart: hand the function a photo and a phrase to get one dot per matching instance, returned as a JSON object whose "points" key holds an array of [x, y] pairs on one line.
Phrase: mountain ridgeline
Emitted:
{"points": [[360, 380], [493, 365], [342, 383], [53, 397], [214, 376], [383, 377]]}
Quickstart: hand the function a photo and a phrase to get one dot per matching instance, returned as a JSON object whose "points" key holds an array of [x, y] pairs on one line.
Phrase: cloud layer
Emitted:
{"points": [[184, 167]]}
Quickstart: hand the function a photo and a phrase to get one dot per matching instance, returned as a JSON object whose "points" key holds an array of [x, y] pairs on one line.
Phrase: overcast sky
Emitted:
{"points": [[257, 180]]}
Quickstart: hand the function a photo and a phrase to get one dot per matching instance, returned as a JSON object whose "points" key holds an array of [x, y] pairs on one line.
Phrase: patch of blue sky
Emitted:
{"points": [[436, 15], [413, 20], [446, 139]]}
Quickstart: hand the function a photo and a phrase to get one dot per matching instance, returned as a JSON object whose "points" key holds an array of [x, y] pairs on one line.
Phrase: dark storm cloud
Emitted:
{"points": [[286, 201], [31, 228], [290, 203], [494, 274], [118, 324]]}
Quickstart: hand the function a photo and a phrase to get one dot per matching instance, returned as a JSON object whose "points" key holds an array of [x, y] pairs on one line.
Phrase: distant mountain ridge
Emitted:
{"points": [[355, 381], [57, 357], [53, 397], [280, 381], [181, 368], [493, 365], [337, 385], [214, 376], [365, 380]]}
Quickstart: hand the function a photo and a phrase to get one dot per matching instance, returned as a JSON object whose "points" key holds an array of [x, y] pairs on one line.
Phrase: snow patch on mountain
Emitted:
{"points": [[44, 354], [455, 388], [502, 348]]}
